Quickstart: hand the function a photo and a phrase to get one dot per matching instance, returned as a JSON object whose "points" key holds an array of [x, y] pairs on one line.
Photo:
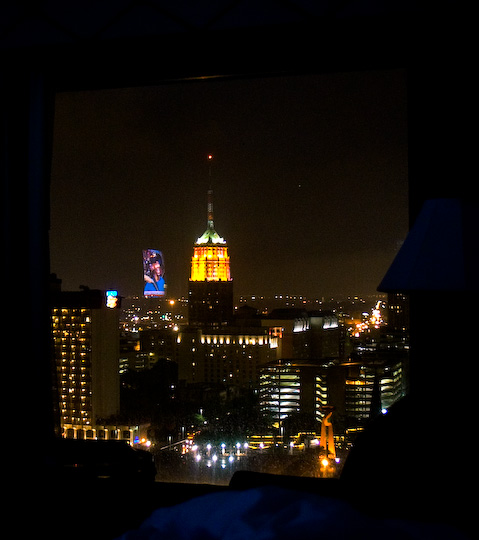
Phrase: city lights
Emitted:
{"points": [[368, 321], [285, 358], [261, 374]]}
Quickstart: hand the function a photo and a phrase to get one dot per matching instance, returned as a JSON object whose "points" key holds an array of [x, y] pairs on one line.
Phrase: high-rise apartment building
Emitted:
{"points": [[210, 293], [85, 332], [398, 312]]}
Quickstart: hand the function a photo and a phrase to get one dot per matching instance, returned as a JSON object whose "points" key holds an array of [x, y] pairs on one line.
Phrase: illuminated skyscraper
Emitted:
{"points": [[210, 296], [85, 334]]}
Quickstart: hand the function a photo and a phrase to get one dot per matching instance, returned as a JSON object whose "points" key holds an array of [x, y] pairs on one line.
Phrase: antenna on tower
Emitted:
{"points": [[210, 195], [210, 159]]}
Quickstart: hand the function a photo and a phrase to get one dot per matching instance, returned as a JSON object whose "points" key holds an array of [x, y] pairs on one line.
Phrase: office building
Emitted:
{"points": [[291, 387], [351, 386], [229, 356], [210, 291], [308, 335]]}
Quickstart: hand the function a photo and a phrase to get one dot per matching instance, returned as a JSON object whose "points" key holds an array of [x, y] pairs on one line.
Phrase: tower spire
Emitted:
{"points": [[210, 236], [211, 224]]}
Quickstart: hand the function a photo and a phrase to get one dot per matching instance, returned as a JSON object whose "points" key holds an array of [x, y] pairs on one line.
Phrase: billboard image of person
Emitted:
{"points": [[153, 273]]}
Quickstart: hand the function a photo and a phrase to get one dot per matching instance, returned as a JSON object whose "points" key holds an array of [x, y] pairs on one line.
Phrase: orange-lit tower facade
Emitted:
{"points": [[210, 294], [210, 261]]}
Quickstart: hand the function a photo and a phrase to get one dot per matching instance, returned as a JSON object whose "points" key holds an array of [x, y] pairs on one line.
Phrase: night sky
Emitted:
{"points": [[309, 178]]}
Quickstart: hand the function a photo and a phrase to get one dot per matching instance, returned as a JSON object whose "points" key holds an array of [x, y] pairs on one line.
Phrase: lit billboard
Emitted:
{"points": [[112, 299], [153, 273]]}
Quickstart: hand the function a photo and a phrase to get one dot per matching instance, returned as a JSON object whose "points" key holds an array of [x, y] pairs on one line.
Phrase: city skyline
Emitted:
{"points": [[309, 177]]}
